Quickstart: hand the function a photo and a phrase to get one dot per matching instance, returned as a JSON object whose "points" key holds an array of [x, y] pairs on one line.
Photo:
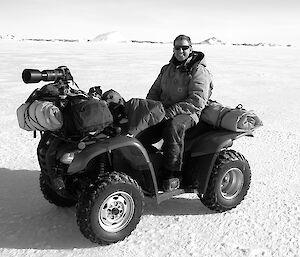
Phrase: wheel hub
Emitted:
{"points": [[116, 211], [232, 183]]}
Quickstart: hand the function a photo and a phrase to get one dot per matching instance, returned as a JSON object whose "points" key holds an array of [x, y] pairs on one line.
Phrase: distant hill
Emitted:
{"points": [[113, 36], [117, 37], [212, 41]]}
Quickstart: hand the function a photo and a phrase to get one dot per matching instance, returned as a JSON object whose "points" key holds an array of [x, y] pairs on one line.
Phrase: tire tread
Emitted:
{"points": [[88, 197], [209, 199]]}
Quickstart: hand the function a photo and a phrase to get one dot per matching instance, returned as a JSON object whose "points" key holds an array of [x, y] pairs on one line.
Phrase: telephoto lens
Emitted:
{"points": [[31, 76], [35, 76]]}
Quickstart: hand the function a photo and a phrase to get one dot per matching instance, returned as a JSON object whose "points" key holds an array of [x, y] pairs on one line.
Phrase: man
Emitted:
{"points": [[184, 87]]}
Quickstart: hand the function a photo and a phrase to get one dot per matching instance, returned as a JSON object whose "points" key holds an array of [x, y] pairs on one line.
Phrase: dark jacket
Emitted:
{"points": [[143, 113], [183, 88]]}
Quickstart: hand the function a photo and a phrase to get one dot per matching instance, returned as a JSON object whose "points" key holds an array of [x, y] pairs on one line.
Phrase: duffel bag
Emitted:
{"points": [[143, 113], [39, 115], [235, 119]]}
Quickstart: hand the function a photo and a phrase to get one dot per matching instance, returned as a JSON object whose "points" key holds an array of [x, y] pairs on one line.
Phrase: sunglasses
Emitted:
{"points": [[181, 47]]}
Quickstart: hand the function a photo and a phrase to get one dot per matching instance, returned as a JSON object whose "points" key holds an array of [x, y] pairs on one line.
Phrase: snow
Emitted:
{"points": [[266, 223]]}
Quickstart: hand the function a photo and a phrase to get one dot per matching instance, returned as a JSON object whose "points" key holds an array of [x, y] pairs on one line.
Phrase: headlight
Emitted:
{"points": [[67, 158]]}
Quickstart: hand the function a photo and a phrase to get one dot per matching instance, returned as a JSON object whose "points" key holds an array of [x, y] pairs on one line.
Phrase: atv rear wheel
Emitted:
{"points": [[110, 210], [52, 196], [229, 182]]}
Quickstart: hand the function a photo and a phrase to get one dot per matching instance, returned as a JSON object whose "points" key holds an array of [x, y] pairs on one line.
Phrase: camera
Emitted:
{"points": [[35, 76]]}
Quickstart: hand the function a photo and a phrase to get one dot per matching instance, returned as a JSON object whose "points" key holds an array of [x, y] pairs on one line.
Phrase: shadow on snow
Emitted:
{"points": [[29, 221]]}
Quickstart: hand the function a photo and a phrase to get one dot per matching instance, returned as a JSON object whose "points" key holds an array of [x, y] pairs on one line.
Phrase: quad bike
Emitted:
{"points": [[107, 175]]}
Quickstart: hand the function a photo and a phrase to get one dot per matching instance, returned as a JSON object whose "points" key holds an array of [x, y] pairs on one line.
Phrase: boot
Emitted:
{"points": [[171, 181], [171, 184]]}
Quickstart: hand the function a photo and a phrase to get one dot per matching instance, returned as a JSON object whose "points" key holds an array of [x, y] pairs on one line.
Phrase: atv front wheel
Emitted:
{"points": [[229, 182], [110, 210], [52, 197]]}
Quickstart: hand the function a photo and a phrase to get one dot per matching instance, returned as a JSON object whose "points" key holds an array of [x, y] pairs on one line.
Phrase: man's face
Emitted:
{"points": [[182, 49]]}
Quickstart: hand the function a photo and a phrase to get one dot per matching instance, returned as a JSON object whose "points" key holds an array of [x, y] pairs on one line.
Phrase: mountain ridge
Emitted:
{"points": [[117, 37]]}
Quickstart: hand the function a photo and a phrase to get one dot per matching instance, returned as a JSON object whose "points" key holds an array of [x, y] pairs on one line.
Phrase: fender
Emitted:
{"points": [[82, 159], [204, 151], [213, 141], [131, 147]]}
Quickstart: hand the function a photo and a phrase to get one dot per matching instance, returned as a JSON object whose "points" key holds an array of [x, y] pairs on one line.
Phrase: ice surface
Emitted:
{"points": [[266, 223]]}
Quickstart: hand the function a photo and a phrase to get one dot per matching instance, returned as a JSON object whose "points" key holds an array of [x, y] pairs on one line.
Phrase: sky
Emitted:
{"points": [[251, 21]]}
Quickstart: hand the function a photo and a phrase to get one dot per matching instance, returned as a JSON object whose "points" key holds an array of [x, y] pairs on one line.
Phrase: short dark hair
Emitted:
{"points": [[183, 37]]}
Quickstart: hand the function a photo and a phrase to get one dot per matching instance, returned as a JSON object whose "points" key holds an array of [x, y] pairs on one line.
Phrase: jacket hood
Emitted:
{"points": [[186, 65]]}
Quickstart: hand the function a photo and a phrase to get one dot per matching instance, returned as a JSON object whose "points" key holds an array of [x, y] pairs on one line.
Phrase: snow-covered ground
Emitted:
{"points": [[266, 223]]}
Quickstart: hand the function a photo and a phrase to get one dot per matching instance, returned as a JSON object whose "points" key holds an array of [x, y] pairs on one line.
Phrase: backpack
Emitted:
{"points": [[83, 114]]}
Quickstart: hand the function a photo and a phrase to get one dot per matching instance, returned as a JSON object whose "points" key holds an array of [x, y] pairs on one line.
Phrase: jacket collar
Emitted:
{"points": [[186, 65]]}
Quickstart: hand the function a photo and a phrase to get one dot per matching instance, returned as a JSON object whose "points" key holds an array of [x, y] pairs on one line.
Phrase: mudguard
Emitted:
{"points": [[131, 149], [204, 151], [82, 159], [213, 141]]}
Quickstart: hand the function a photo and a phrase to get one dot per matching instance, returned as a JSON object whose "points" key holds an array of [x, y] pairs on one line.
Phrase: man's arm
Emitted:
{"points": [[155, 90]]}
